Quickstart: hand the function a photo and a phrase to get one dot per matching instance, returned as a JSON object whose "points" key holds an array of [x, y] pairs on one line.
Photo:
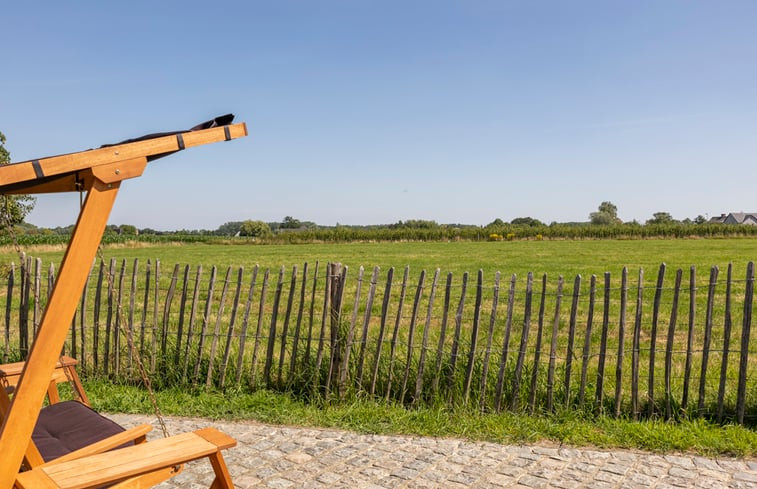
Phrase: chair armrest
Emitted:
{"points": [[136, 434], [124, 463]]}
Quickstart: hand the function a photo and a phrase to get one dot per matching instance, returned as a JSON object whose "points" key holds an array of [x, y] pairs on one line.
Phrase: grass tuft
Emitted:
{"points": [[568, 427]]}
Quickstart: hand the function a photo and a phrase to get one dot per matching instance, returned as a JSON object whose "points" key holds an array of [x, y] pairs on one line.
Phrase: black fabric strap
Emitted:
{"points": [[180, 141], [37, 169], [227, 133]]}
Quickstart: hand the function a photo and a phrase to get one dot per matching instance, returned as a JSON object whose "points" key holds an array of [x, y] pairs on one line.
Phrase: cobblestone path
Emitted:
{"points": [[286, 457]]}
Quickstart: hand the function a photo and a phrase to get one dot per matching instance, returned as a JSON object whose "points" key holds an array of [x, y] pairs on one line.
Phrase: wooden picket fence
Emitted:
{"points": [[641, 349]]}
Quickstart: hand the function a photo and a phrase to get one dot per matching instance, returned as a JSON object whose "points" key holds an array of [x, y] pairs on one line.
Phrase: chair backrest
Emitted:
{"points": [[64, 373]]}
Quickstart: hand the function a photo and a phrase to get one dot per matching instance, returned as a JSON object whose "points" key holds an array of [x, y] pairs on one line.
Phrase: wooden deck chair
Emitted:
{"points": [[70, 429], [99, 172]]}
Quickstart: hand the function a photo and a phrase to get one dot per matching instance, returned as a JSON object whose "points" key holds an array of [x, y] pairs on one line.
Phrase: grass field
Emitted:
{"points": [[566, 258], [554, 258]]}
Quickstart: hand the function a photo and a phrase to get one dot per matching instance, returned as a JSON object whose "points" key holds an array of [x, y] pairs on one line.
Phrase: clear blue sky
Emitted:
{"points": [[367, 112]]}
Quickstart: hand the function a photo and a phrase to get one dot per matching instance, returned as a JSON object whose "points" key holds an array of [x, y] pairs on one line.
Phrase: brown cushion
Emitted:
{"points": [[68, 426]]}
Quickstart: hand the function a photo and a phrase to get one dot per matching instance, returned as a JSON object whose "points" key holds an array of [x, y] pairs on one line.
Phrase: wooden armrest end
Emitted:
{"points": [[117, 465]]}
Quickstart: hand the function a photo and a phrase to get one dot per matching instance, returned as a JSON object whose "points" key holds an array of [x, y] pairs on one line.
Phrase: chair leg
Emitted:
{"points": [[223, 478]]}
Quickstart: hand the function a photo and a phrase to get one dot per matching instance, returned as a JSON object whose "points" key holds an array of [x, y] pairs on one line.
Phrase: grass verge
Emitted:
{"points": [[367, 416]]}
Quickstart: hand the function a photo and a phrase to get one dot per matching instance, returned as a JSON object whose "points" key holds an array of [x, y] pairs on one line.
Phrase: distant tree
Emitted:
{"points": [[526, 221], [414, 224], [496, 223], [230, 228], [255, 229], [13, 208], [128, 230], [606, 214], [290, 222], [700, 219], [661, 218]]}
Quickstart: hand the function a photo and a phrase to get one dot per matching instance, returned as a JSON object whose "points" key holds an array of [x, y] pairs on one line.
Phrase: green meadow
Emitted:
{"points": [[558, 257]]}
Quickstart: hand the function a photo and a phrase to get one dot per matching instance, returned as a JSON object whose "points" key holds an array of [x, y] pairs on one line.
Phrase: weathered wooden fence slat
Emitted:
{"points": [[424, 342], [489, 339], [653, 339], [537, 348], [515, 396], [259, 326], [272, 329], [285, 327], [621, 340], [230, 327], [246, 322], [411, 333], [745, 332], [636, 345], [505, 342], [191, 323], [726, 342], [586, 352], [571, 336], [205, 321], [456, 339], [707, 336], [182, 309], [382, 329], [669, 345], [689, 337], [344, 364], [553, 346], [395, 333], [8, 309], [442, 335], [599, 397], [366, 323]]}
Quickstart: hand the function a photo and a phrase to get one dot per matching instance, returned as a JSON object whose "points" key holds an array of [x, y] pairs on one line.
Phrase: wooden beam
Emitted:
{"points": [[34, 174]]}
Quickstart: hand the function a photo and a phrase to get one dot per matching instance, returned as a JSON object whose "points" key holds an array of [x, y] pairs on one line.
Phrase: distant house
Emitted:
{"points": [[748, 218]]}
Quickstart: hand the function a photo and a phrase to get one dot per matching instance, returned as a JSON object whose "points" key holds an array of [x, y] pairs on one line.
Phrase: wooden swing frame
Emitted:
{"points": [[99, 172]]}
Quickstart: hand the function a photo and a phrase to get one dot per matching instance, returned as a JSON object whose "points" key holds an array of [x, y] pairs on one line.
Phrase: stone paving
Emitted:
{"points": [[283, 457]]}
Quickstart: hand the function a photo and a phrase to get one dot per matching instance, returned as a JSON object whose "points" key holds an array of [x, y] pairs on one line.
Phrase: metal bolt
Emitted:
{"points": [[118, 172]]}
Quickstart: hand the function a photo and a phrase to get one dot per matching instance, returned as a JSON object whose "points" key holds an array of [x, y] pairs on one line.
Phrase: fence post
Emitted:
{"points": [[636, 346], [690, 336], [537, 353], [707, 337], [515, 398], [745, 332], [345, 363], [621, 340], [395, 334], [669, 345], [230, 329], [246, 322], [285, 328], [571, 336], [424, 343], [587, 339], [603, 346], [272, 329], [366, 324], [726, 343], [382, 328], [505, 342], [411, 334], [553, 346]]}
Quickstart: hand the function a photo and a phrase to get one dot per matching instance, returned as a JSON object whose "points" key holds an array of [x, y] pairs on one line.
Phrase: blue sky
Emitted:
{"points": [[367, 112]]}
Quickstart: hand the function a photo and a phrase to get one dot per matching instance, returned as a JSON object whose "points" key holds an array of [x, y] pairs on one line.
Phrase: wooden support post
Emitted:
{"points": [[17, 427]]}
